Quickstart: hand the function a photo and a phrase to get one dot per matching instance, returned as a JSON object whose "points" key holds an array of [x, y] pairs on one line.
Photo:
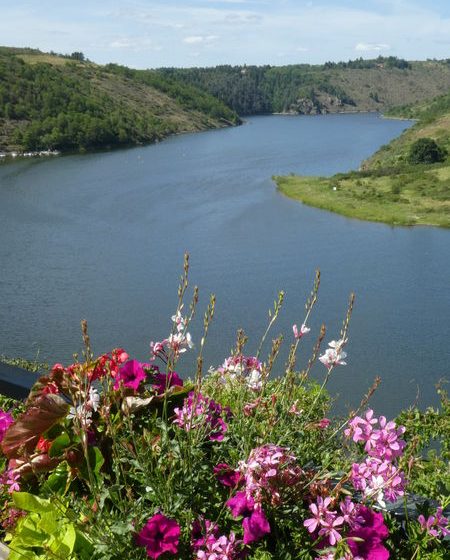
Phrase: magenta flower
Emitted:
{"points": [[159, 535], [5, 422], [130, 375], [241, 504], [255, 526], [226, 475], [372, 533], [203, 530], [164, 381]]}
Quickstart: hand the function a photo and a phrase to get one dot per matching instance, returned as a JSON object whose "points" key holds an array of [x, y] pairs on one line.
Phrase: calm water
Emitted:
{"points": [[102, 237]]}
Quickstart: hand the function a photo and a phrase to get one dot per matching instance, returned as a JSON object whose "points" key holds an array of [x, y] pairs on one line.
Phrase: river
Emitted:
{"points": [[102, 237]]}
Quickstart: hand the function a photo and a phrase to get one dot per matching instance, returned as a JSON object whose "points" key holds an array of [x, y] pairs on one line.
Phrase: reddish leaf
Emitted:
{"points": [[22, 436], [39, 463]]}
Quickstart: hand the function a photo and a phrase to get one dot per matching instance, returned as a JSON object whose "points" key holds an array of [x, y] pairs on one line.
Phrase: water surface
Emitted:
{"points": [[102, 237]]}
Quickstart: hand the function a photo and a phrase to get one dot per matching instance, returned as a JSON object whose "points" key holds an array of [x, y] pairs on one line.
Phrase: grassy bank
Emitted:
{"points": [[417, 195]]}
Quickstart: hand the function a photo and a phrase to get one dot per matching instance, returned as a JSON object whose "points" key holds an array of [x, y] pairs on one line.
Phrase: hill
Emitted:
{"points": [[390, 187], [358, 85], [49, 101]]}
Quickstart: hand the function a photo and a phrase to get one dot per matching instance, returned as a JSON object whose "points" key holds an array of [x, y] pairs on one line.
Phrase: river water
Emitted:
{"points": [[102, 237]]}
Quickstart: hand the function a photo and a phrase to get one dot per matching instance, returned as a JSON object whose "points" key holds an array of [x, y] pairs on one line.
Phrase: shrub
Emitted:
{"points": [[112, 458], [426, 150]]}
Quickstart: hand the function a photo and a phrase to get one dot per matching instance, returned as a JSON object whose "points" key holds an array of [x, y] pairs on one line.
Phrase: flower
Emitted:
{"points": [[372, 533], [220, 548], [130, 375], [299, 333], [161, 382], [227, 475], [255, 526], [247, 368], [241, 504], [5, 422], [435, 525], [202, 412], [269, 470], [159, 535], [334, 356], [11, 479]]}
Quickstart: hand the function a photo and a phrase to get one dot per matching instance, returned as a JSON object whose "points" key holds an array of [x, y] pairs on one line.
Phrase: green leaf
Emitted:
{"points": [[59, 444], [56, 483], [29, 502]]}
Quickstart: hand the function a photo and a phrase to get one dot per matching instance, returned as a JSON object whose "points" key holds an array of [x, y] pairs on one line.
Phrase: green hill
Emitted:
{"points": [[390, 187], [49, 101], [358, 85]]}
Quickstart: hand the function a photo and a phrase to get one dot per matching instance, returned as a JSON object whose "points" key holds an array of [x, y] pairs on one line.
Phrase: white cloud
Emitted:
{"points": [[197, 39], [372, 47], [134, 43]]}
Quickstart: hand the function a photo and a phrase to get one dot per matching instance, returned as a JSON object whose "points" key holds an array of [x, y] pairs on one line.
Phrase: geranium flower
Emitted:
{"points": [[130, 375], [159, 535]]}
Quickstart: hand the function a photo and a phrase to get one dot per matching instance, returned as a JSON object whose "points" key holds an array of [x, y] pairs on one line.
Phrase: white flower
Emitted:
{"points": [[299, 333], [254, 380]]}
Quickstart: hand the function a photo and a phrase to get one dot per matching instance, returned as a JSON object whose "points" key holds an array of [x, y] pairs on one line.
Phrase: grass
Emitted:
{"points": [[417, 195]]}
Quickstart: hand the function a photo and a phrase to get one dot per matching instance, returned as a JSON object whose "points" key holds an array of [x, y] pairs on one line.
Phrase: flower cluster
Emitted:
{"points": [[177, 342], [219, 548], [200, 412], [247, 368], [334, 355], [363, 528], [437, 525], [378, 476], [268, 470]]}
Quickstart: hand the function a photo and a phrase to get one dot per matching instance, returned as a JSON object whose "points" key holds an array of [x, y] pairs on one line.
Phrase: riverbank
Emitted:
{"points": [[410, 196]]}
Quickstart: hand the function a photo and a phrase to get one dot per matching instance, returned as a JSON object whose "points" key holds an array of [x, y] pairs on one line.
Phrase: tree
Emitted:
{"points": [[426, 150], [77, 56]]}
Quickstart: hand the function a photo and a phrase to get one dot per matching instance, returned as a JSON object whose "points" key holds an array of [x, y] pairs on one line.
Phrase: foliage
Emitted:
{"points": [[79, 105], [111, 458], [426, 150]]}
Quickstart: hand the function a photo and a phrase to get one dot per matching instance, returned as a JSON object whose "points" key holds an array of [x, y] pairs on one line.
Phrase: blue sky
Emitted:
{"points": [[153, 33]]}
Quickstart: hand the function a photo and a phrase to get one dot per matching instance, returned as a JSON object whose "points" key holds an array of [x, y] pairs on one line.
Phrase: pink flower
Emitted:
{"points": [[164, 381], [324, 423], [5, 422], [202, 530], [202, 413], [11, 481], [268, 470], [435, 525], [227, 475], [159, 535], [334, 355], [372, 533], [299, 333], [320, 511], [255, 526], [130, 375], [157, 348], [220, 548]]}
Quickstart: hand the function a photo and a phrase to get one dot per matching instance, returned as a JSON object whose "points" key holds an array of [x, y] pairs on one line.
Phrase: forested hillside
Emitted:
{"points": [[359, 85], [54, 102]]}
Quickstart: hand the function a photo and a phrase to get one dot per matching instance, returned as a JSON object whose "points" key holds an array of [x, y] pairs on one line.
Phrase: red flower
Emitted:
{"points": [[159, 535], [43, 445]]}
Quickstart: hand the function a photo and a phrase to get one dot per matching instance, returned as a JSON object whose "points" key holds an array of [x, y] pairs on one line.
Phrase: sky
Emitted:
{"points": [[183, 33]]}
